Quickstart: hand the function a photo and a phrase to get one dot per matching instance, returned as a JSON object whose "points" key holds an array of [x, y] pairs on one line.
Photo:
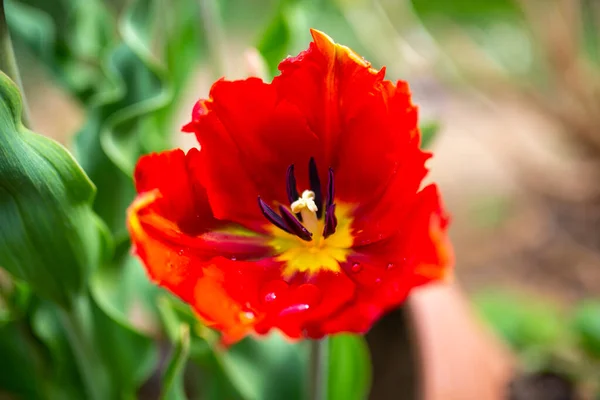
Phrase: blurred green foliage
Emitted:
{"points": [[547, 338]]}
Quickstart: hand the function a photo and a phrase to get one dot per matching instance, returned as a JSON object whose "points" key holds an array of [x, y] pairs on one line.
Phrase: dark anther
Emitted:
{"points": [[292, 190], [330, 221], [295, 226], [315, 185], [272, 216], [330, 189]]}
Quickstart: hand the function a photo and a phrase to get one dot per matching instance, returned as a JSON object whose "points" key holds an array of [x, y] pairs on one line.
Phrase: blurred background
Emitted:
{"points": [[509, 87]]}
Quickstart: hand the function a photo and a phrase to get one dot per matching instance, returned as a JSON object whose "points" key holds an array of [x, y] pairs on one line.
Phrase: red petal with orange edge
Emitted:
{"points": [[182, 195], [191, 265]]}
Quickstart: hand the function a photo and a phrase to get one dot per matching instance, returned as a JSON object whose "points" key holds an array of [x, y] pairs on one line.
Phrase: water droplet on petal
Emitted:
{"points": [[296, 308], [377, 281], [356, 267], [247, 316], [273, 291], [390, 266], [180, 252]]}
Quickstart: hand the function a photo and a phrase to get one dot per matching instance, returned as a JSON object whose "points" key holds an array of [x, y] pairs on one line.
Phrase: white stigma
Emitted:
{"points": [[306, 201]]}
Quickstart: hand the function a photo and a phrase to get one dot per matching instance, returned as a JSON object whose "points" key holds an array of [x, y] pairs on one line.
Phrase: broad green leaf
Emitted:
{"points": [[20, 367], [14, 298], [172, 382], [116, 73], [349, 368], [50, 237], [586, 325]]}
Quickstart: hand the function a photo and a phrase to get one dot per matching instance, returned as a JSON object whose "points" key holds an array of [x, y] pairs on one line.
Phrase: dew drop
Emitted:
{"points": [[356, 267], [247, 316], [390, 266], [269, 297], [234, 258], [180, 252], [273, 291], [377, 281], [296, 308]]}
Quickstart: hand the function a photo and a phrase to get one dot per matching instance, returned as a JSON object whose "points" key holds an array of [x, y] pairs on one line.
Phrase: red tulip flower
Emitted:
{"points": [[303, 208]]}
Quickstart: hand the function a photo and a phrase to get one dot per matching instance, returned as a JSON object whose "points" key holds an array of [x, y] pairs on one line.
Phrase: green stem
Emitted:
{"points": [[215, 35], [319, 369], [77, 322], [8, 62]]}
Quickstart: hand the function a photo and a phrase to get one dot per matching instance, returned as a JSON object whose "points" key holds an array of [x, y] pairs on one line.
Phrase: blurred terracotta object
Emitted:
{"points": [[458, 357]]}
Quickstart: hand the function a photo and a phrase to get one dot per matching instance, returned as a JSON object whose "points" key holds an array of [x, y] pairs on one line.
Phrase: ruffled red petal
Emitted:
{"points": [[363, 123], [249, 137], [386, 272]]}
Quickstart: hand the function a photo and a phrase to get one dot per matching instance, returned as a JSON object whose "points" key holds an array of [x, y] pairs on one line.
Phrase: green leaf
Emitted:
{"points": [[429, 131], [129, 356], [121, 292], [19, 369], [209, 376], [349, 368], [14, 298], [282, 372], [121, 288], [172, 382], [51, 238], [586, 324], [63, 377]]}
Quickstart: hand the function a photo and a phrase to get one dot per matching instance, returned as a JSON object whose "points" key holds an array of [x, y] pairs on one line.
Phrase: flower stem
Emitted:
{"points": [[318, 369], [8, 62], [77, 323]]}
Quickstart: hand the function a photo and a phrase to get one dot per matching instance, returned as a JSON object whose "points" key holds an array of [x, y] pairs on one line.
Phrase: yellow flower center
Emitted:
{"points": [[319, 254]]}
